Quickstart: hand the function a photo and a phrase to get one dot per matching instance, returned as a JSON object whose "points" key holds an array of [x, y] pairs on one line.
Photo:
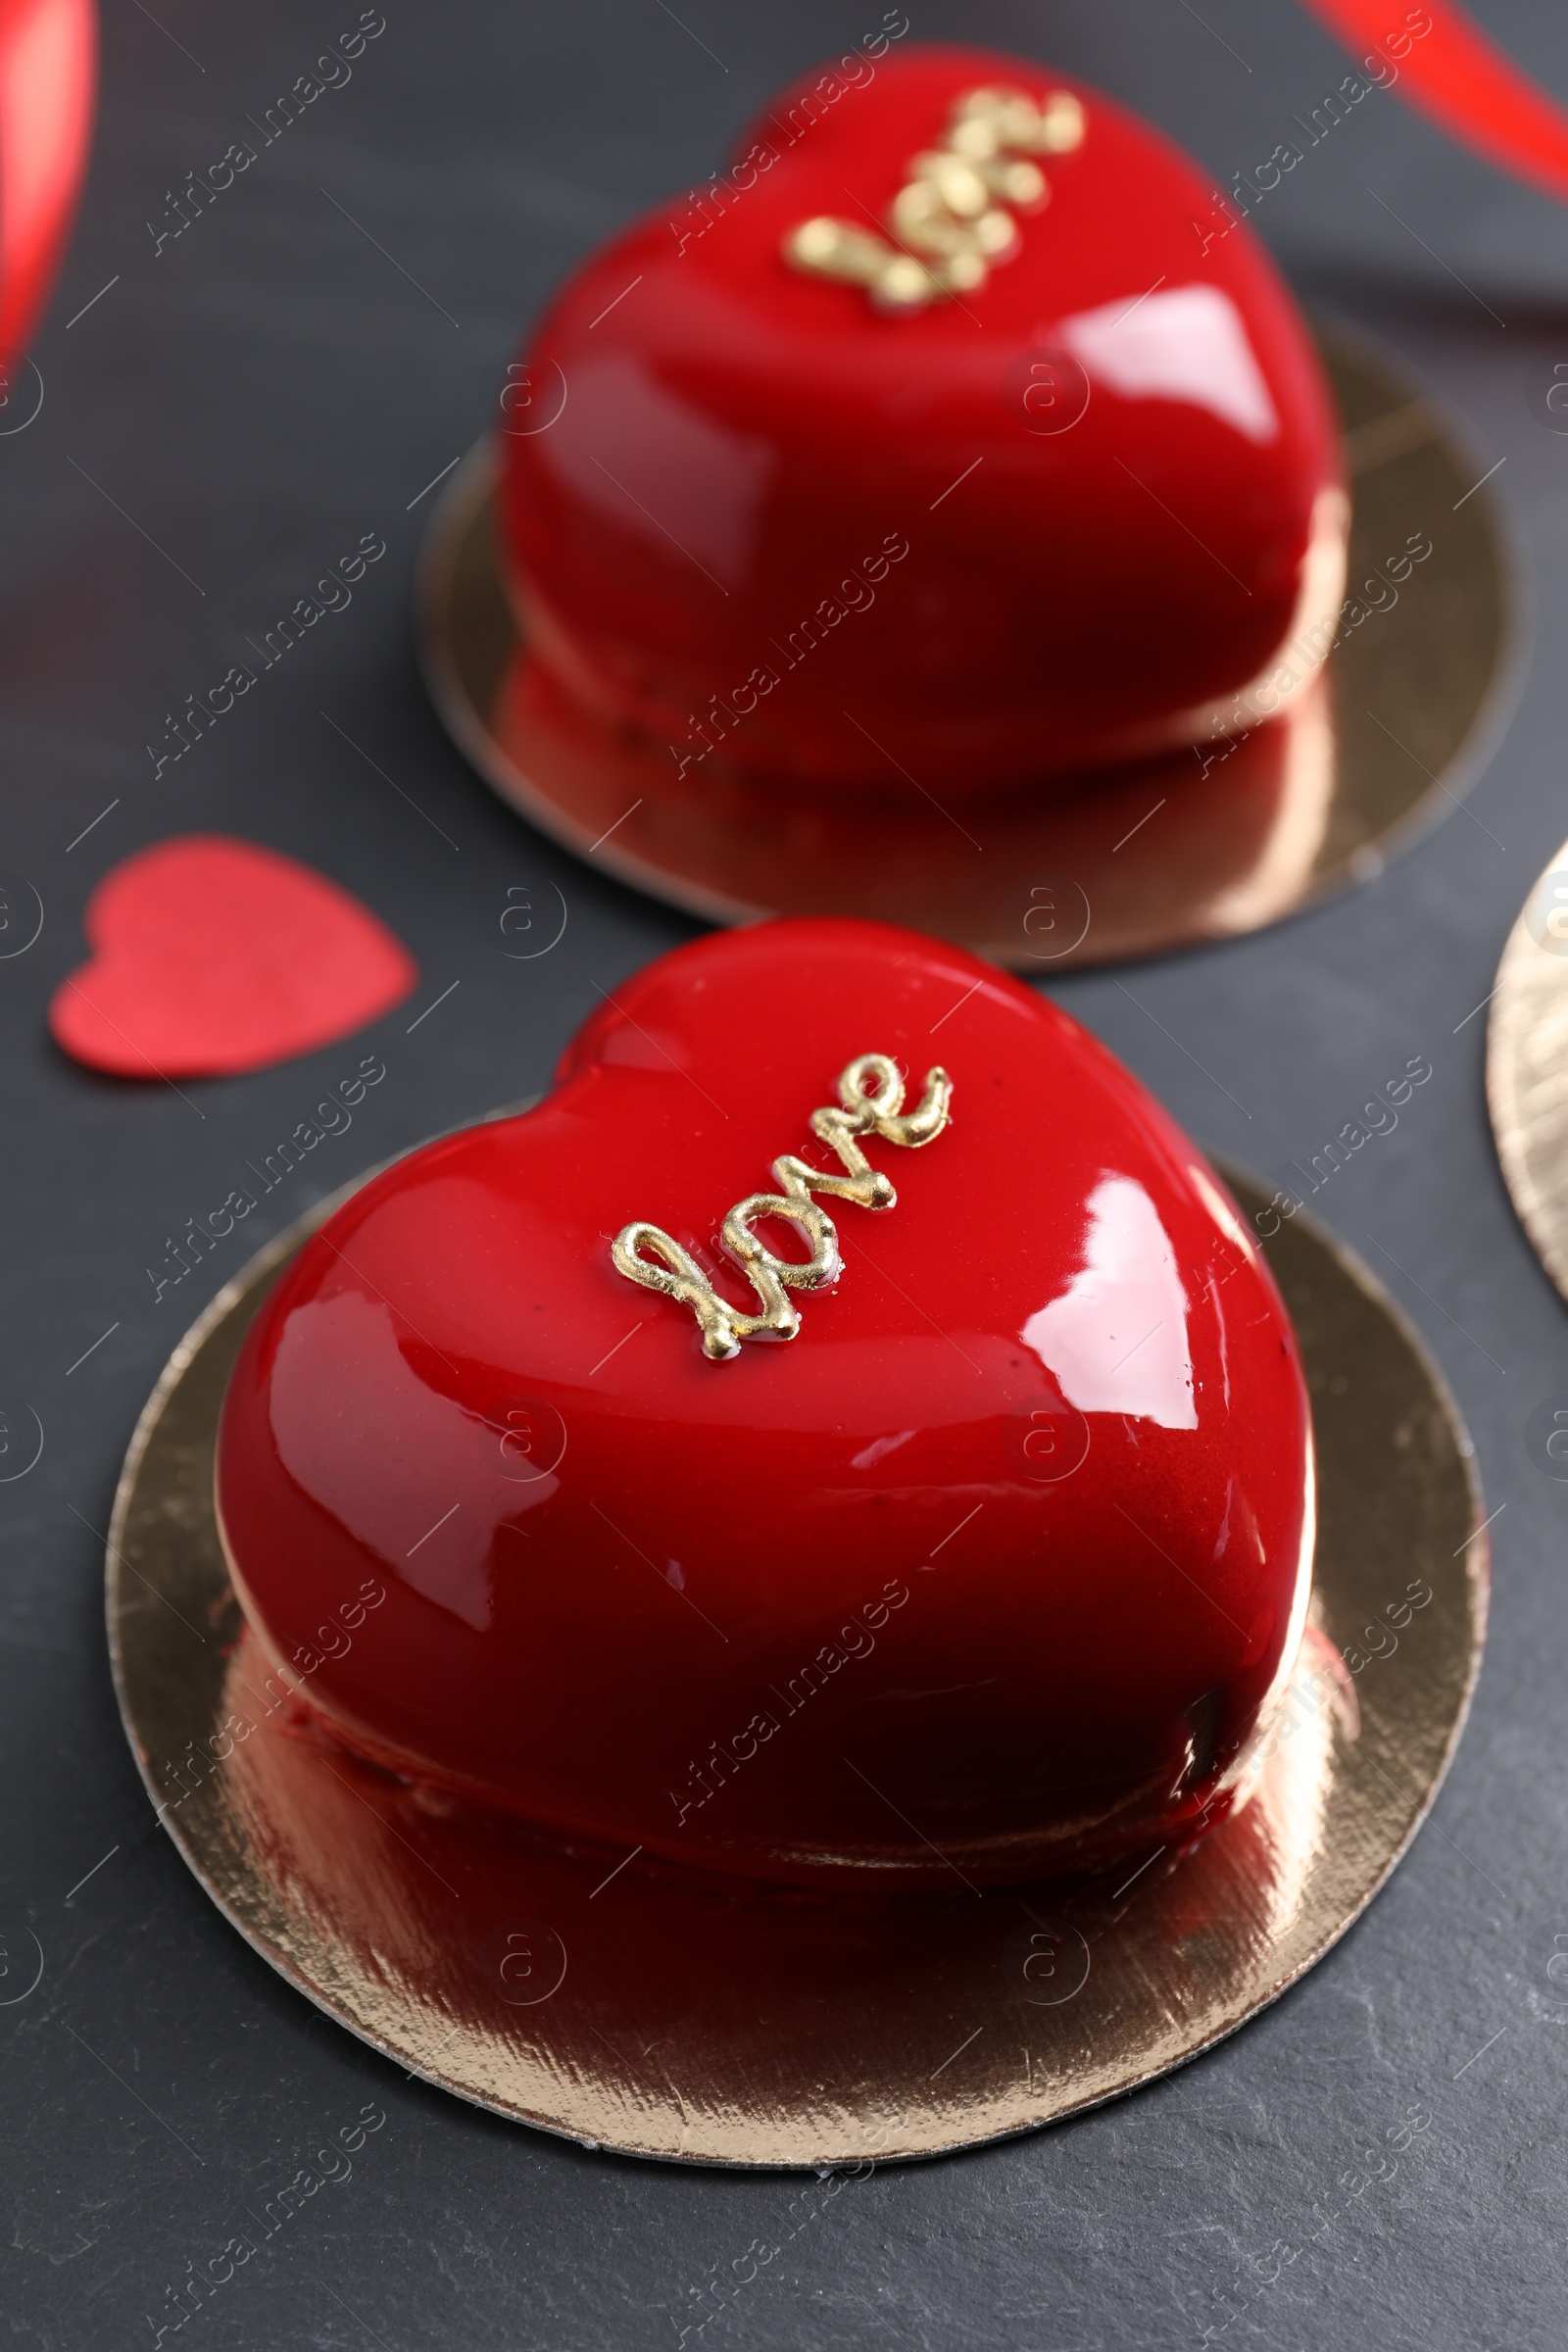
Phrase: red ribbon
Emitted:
{"points": [[48, 71], [1449, 69]]}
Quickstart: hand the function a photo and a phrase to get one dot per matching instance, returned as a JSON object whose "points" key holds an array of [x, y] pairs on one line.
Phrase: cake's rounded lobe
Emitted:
{"points": [[992, 1569], [773, 526]]}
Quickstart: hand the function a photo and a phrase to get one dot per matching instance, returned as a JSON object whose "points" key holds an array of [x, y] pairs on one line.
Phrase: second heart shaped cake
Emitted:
{"points": [[997, 1567], [947, 439]]}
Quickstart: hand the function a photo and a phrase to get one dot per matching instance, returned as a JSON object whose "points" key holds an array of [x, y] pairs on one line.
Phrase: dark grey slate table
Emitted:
{"points": [[236, 410]]}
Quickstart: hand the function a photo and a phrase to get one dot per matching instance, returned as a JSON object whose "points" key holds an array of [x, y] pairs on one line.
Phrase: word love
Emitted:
{"points": [[871, 1096], [950, 221]]}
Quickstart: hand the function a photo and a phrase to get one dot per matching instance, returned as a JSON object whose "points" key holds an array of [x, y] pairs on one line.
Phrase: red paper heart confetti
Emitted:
{"points": [[211, 956]]}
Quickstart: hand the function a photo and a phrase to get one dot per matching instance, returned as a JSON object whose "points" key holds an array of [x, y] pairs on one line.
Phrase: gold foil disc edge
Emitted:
{"points": [[771, 2030]]}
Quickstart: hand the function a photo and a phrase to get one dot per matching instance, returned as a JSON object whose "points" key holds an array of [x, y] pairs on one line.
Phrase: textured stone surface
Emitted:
{"points": [[259, 394]]}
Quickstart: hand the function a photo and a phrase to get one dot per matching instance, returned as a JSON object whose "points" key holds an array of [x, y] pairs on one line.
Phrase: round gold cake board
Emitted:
{"points": [[665, 2014], [1187, 848], [1526, 1067]]}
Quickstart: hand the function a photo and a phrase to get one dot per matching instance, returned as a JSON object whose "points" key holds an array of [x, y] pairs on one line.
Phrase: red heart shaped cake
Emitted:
{"points": [[946, 439], [997, 1567]]}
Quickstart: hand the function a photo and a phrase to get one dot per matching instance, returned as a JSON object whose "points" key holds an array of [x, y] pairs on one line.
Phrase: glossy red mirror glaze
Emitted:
{"points": [[754, 518], [992, 1568]]}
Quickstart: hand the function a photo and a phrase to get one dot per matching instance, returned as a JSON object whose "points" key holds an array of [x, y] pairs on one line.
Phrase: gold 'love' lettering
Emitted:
{"points": [[952, 220], [870, 1102]]}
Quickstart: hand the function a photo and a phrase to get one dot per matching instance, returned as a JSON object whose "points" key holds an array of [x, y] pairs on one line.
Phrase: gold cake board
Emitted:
{"points": [[1186, 847], [663, 2013]]}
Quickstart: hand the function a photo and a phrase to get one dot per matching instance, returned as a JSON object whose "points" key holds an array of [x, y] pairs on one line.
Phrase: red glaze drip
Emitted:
{"points": [[992, 1569], [705, 540]]}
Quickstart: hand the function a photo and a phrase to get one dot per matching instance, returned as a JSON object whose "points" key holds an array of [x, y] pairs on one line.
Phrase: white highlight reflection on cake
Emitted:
{"points": [[1115, 1341], [1189, 343]]}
